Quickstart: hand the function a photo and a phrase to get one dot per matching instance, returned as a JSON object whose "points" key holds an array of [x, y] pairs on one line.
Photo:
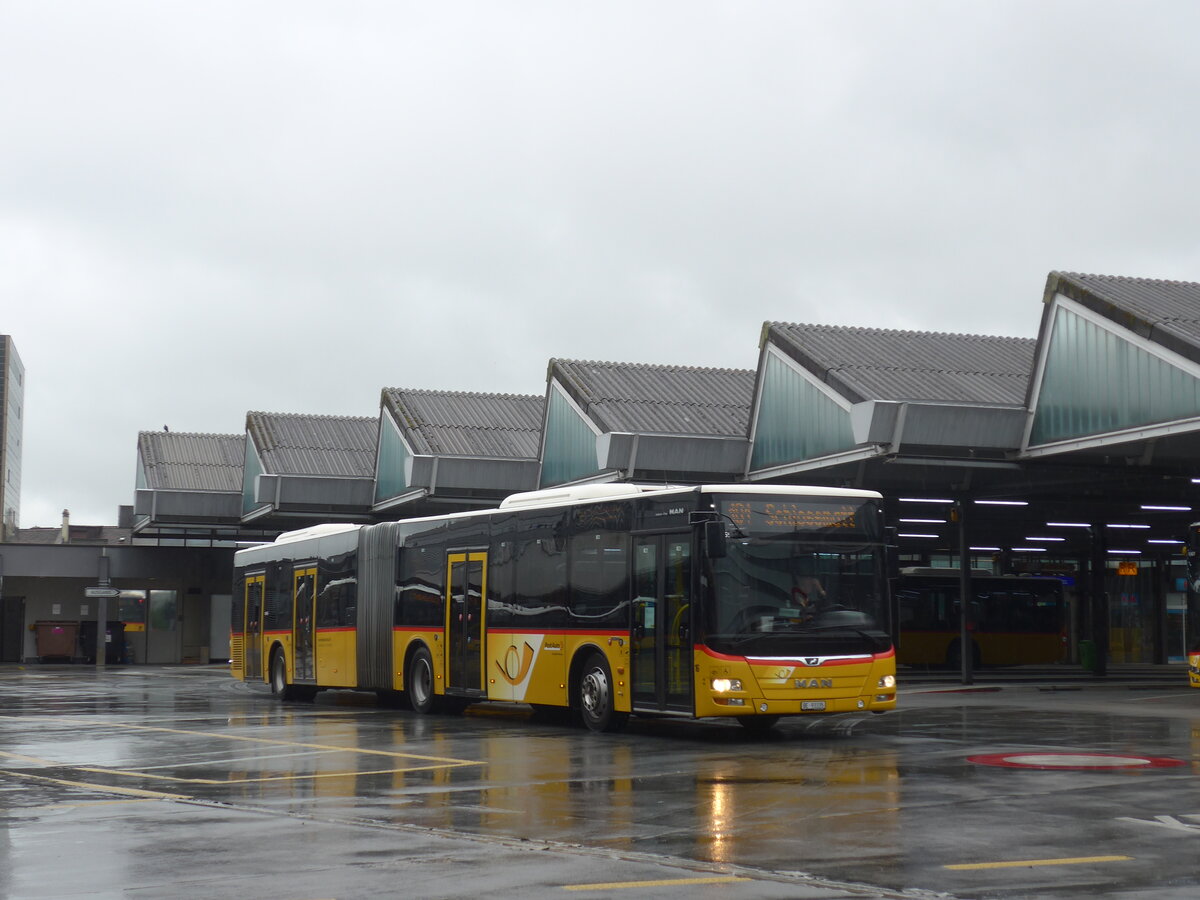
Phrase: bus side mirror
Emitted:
{"points": [[714, 539]]}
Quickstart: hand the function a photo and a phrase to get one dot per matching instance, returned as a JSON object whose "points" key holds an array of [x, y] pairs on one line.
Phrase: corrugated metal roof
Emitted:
{"points": [[192, 462], [647, 399], [295, 444], [452, 423], [884, 364], [1164, 311]]}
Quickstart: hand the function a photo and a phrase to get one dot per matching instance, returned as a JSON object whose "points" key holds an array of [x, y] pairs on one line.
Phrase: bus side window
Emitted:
{"points": [[539, 583], [501, 602], [599, 571], [420, 581]]}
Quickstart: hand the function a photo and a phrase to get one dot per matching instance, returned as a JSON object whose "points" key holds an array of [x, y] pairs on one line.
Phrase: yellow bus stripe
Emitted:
{"points": [[665, 882], [1016, 863]]}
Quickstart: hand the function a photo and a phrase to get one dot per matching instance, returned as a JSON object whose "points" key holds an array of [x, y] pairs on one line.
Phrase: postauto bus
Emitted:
{"points": [[738, 601], [1192, 549]]}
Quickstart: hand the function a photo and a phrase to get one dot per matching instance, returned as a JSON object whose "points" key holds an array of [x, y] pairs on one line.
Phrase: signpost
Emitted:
{"points": [[103, 593]]}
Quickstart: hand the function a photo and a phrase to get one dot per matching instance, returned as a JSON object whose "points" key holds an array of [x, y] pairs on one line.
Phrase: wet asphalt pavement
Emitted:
{"points": [[180, 782]]}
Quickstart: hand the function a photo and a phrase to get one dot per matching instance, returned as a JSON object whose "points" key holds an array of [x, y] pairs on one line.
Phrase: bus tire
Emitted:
{"points": [[595, 695], [279, 683], [419, 683]]}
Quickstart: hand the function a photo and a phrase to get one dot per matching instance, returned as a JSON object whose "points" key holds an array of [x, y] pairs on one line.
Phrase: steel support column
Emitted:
{"points": [[1098, 598], [966, 651]]}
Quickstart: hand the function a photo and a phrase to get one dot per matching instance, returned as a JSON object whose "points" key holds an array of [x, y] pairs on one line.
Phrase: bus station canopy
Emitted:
{"points": [[1096, 423]]}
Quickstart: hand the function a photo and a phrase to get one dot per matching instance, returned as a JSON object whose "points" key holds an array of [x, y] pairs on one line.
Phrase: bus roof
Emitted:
{"points": [[566, 496]]}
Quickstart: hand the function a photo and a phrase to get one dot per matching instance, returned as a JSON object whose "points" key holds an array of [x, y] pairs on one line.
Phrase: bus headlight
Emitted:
{"points": [[887, 681], [725, 685]]}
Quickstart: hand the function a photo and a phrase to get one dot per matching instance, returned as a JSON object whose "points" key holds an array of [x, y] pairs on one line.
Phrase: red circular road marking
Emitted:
{"points": [[1074, 761]]}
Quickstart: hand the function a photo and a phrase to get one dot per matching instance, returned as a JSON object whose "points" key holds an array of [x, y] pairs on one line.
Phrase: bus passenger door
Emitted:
{"points": [[465, 590], [661, 656], [304, 583], [252, 647]]}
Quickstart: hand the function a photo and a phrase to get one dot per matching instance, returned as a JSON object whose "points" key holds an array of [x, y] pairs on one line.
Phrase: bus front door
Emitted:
{"points": [[662, 623], [465, 590], [252, 648], [304, 583]]}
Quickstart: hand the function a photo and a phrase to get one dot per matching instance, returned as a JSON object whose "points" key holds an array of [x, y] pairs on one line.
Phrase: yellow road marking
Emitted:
{"points": [[84, 804], [135, 773], [29, 759], [433, 762], [665, 882], [257, 740], [104, 788], [1017, 863]]}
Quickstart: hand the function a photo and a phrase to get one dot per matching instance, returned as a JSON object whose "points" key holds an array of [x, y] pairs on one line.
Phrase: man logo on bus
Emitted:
{"points": [[515, 667], [814, 682], [812, 660]]}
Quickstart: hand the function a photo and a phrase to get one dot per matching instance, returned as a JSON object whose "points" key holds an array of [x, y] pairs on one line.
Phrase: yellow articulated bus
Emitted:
{"points": [[727, 600]]}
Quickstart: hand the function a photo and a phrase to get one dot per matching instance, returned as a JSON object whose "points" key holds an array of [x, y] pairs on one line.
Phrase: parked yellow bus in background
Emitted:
{"points": [[742, 601], [1192, 615], [1014, 619]]}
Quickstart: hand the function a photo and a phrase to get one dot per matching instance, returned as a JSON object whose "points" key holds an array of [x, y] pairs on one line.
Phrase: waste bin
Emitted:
{"points": [[56, 640], [1087, 655], [114, 642]]}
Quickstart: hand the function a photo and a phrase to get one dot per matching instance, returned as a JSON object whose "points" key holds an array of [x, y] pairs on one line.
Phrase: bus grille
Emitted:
{"points": [[236, 659]]}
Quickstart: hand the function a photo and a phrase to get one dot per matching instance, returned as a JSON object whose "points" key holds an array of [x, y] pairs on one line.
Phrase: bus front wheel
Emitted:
{"points": [[420, 682], [595, 696]]}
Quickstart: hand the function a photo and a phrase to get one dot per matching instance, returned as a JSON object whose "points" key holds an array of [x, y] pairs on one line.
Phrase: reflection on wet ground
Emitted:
{"points": [[892, 801]]}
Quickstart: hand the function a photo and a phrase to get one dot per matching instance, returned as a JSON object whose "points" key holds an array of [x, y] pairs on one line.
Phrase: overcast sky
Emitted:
{"points": [[210, 208]]}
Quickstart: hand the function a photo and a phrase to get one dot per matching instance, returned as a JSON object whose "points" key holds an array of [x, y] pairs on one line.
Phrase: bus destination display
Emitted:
{"points": [[789, 515]]}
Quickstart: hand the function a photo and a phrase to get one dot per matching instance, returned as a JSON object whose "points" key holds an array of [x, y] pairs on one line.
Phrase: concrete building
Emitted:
{"points": [[12, 413]]}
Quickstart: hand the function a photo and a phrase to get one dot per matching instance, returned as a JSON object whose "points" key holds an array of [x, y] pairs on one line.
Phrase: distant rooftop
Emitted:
{"points": [[652, 399], [452, 423], [885, 364], [297, 444], [78, 534], [192, 462]]}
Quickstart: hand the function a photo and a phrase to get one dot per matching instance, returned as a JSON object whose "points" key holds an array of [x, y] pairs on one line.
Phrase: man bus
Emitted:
{"points": [[607, 600]]}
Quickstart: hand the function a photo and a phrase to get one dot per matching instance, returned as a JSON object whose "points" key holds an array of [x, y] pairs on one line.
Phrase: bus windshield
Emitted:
{"points": [[799, 576]]}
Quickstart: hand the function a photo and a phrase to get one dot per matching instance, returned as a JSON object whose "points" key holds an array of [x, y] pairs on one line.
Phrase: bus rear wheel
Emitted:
{"points": [[280, 687], [420, 682], [595, 695]]}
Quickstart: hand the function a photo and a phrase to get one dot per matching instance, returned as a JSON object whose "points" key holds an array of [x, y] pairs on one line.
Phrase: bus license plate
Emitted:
{"points": [[812, 704]]}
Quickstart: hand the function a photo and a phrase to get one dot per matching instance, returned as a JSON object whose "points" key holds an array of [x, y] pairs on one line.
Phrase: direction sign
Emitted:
{"points": [[101, 593]]}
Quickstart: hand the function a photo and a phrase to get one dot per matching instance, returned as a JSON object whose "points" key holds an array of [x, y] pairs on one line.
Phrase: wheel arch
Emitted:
{"points": [[575, 671], [415, 645]]}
